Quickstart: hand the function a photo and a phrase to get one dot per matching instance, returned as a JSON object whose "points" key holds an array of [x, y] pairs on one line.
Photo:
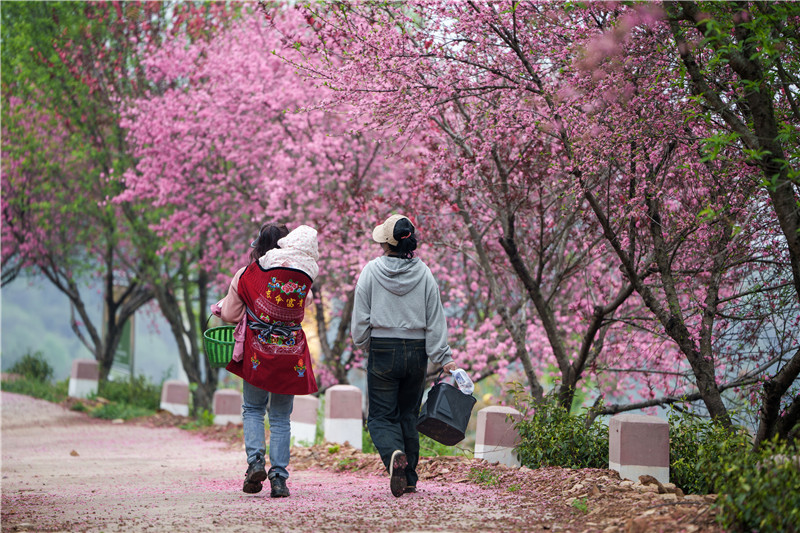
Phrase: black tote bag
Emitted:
{"points": [[445, 414]]}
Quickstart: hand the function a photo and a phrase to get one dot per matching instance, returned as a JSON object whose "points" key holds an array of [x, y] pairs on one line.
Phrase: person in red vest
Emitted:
{"points": [[275, 363]]}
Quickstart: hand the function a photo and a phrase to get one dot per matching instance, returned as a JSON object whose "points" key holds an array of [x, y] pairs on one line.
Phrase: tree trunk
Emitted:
{"points": [[517, 333], [771, 422], [670, 318], [333, 354]]}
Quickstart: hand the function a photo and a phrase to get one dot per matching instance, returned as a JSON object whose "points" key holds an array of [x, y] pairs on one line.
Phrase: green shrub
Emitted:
{"points": [[695, 446], [34, 367], [367, 446], [550, 436], [136, 392], [759, 491]]}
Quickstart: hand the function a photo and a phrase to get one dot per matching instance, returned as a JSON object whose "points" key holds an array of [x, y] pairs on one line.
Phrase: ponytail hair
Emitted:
{"points": [[406, 237], [268, 237]]}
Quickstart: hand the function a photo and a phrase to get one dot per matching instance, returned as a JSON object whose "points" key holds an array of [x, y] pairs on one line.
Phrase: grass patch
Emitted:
{"points": [[430, 448], [114, 411], [347, 463], [427, 446], [205, 419], [55, 393], [483, 476], [580, 505], [135, 392]]}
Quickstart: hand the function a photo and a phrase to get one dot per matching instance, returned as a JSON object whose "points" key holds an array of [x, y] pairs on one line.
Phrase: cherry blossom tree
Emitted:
{"points": [[492, 172], [740, 61], [61, 68], [67, 68], [523, 65], [230, 141]]}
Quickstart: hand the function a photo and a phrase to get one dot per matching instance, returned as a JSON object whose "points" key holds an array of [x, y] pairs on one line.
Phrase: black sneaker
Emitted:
{"points": [[410, 489], [397, 473], [279, 488], [256, 473]]}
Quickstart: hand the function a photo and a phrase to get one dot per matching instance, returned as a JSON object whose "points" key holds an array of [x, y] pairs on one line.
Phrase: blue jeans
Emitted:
{"points": [[253, 411], [395, 382]]}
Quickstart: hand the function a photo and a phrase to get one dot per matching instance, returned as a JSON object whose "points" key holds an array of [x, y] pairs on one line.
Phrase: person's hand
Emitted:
{"points": [[449, 367]]}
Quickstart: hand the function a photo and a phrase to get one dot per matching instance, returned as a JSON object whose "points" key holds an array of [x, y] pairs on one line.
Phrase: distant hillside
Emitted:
{"points": [[35, 317]]}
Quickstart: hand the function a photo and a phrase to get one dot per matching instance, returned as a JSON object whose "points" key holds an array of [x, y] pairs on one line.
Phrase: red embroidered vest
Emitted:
{"points": [[276, 356]]}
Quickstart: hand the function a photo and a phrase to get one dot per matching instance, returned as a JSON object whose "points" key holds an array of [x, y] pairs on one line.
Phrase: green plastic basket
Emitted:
{"points": [[219, 345]]}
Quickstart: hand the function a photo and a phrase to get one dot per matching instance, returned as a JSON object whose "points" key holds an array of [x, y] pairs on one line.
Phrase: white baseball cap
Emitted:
{"points": [[385, 232]]}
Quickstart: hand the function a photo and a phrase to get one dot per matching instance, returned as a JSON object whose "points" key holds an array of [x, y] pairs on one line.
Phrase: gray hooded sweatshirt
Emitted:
{"points": [[399, 298]]}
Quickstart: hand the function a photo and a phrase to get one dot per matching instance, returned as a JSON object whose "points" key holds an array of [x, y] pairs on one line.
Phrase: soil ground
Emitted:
{"points": [[65, 471]]}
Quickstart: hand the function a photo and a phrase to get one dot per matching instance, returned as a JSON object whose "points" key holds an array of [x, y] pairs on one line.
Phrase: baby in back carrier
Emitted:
{"points": [[299, 251]]}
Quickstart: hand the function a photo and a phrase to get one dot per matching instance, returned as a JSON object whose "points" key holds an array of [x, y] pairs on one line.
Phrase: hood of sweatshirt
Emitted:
{"points": [[399, 276]]}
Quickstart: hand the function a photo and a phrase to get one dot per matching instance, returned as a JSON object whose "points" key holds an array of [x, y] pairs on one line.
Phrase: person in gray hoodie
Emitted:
{"points": [[398, 317]]}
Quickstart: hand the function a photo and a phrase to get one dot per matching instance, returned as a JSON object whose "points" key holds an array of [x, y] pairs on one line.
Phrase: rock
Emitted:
{"points": [[650, 480], [679, 492], [669, 496], [637, 525], [694, 498], [576, 488], [670, 487]]}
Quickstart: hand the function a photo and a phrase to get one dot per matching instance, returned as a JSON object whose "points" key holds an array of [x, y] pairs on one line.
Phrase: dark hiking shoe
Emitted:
{"points": [[256, 473], [410, 489], [397, 473], [279, 488]]}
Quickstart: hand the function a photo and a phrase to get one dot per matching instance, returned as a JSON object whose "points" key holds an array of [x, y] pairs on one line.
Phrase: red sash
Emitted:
{"points": [[276, 356]]}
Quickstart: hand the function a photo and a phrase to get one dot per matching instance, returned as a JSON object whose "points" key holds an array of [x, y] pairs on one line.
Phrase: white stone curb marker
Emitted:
{"points": [[496, 435], [304, 420], [639, 445], [227, 407], [175, 397], [84, 378], [343, 415]]}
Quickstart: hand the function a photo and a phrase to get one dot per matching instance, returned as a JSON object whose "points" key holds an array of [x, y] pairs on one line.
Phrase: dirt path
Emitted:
{"points": [[63, 471]]}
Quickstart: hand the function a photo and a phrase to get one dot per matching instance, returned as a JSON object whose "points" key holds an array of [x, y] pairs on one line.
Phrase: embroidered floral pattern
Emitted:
{"points": [[255, 361], [274, 339], [300, 368], [289, 288]]}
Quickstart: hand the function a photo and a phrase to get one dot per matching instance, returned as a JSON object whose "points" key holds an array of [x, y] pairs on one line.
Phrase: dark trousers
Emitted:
{"points": [[395, 383]]}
